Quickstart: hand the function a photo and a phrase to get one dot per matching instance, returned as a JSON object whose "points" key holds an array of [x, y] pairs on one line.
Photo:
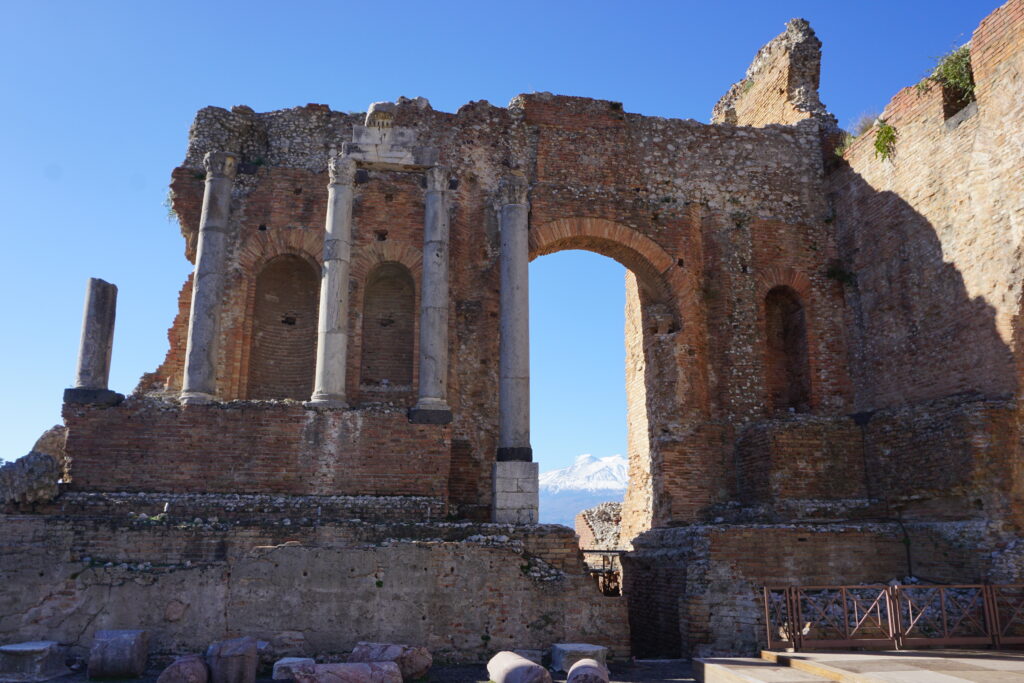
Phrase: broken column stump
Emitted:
{"points": [[587, 671], [508, 667], [233, 661], [413, 662], [187, 669], [118, 654], [564, 655]]}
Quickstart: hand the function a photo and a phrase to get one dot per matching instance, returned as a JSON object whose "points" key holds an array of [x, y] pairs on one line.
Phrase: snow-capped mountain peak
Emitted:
{"points": [[588, 473]]}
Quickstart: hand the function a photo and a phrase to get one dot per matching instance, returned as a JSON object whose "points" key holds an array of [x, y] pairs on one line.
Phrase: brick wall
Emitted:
{"points": [[283, 356], [388, 327], [150, 445]]}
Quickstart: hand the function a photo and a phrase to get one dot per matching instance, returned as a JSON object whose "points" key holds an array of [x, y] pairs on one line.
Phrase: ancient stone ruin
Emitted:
{"points": [[824, 353]]}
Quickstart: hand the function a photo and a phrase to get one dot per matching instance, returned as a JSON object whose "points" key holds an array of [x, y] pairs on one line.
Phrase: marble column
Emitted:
{"points": [[515, 492], [96, 345], [332, 329], [200, 381], [432, 405]]}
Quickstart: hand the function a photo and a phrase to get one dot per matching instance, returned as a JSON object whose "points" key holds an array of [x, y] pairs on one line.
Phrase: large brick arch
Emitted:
{"points": [[649, 262], [665, 383]]}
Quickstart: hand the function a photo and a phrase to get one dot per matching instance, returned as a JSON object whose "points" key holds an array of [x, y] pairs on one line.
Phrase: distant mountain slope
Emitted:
{"points": [[588, 481]]}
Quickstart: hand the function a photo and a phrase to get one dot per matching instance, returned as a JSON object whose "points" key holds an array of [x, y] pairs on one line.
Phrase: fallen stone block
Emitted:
{"points": [[587, 671], [38, 660], [118, 654], [508, 667], [413, 662], [564, 655], [187, 669], [291, 668], [233, 661], [367, 672]]}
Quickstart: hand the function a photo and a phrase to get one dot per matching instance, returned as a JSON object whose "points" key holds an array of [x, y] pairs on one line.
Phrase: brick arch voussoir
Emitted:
{"points": [[387, 252], [649, 262], [776, 276], [265, 247]]}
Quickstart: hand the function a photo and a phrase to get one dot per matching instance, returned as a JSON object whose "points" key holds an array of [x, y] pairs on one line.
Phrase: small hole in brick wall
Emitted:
{"points": [[288, 320], [305, 573], [802, 540], [263, 227], [389, 197], [743, 268], [297, 190], [679, 262], [381, 235]]}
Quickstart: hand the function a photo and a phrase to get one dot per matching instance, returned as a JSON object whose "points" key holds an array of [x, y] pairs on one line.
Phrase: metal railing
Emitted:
{"points": [[607, 573], [896, 617]]}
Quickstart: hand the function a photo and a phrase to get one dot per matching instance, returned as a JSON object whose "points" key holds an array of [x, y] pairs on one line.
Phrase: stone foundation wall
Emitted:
{"points": [[464, 591]]}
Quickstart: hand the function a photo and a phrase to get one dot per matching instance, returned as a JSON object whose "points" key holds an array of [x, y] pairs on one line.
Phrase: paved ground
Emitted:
{"points": [[940, 666], [908, 666], [640, 672]]}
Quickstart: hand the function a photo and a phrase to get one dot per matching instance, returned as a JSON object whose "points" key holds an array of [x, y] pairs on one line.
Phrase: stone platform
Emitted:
{"points": [[940, 666]]}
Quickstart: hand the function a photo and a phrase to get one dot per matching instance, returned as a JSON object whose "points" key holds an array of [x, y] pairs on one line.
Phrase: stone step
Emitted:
{"points": [[810, 666], [749, 670]]}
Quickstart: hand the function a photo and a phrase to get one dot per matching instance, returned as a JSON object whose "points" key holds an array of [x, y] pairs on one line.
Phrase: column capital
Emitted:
{"points": [[438, 178], [342, 169], [513, 189], [220, 164]]}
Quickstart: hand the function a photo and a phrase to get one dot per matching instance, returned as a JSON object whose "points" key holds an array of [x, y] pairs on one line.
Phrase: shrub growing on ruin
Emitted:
{"points": [[885, 140]]}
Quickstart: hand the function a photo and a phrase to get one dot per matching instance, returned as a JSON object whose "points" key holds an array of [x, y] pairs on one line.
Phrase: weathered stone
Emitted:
{"points": [[199, 384], [508, 667], [233, 661], [414, 662], [187, 669], [30, 479], [97, 340], [370, 672], [564, 655], [118, 654], [432, 404], [290, 668], [587, 671], [332, 325], [38, 660]]}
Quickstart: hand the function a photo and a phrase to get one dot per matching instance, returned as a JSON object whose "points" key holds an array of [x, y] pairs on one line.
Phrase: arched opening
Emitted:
{"points": [[647, 340], [578, 399], [788, 373], [389, 328], [282, 358]]}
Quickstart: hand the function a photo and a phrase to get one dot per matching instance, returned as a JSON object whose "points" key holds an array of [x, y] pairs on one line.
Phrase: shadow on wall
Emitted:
{"points": [[916, 332]]}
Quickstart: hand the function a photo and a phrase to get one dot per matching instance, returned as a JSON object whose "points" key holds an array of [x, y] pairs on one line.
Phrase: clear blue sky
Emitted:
{"points": [[98, 98]]}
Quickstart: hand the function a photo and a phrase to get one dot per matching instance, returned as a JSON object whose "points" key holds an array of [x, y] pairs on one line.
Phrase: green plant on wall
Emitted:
{"points": [[885, 140], [953, 71]]}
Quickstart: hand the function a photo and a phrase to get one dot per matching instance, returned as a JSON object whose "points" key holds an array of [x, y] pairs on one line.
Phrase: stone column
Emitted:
{"points": [[332, 329], [515, 474], [96, 345], [432, 406], [200, 381]]}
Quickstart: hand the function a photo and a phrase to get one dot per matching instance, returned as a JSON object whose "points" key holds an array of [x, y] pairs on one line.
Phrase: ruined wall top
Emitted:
{"points": [[781, 84]]}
